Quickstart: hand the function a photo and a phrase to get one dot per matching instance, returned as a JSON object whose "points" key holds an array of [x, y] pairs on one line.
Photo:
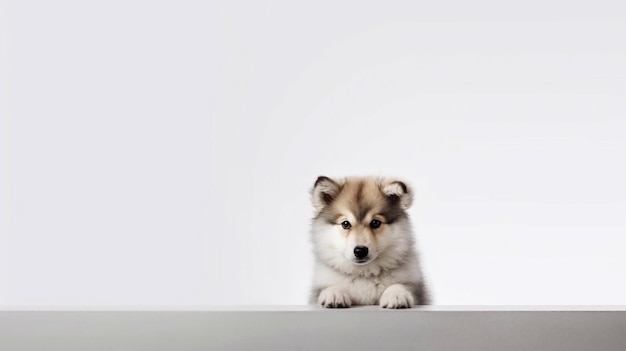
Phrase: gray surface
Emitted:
{"points": [[316, 329]]}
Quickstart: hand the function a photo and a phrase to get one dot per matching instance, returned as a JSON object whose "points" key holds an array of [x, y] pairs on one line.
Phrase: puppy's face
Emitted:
{"points": [[360, 221]]}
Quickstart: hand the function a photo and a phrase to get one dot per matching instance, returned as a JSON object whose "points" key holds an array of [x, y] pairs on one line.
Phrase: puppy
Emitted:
{"points": [[363, 244]]}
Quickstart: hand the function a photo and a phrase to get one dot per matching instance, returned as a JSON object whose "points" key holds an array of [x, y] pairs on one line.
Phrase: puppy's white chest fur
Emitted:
{"points": [[365, 288], [366, 291]]}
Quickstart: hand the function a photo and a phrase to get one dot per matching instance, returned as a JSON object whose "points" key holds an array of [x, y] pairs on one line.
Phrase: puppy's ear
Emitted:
{"points": [[399, 192], [324, 192]]}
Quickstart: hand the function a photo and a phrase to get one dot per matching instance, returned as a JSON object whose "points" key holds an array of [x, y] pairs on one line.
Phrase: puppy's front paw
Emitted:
{"points": [[396, 296], [332, 297]]}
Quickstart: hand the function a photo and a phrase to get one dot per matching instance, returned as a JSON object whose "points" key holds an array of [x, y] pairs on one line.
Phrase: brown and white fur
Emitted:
{"points": [[363, 244]]}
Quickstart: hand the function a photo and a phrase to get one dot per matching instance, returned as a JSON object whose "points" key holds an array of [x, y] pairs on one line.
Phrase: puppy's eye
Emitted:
{"points": [[375, 224], [346, 225]]}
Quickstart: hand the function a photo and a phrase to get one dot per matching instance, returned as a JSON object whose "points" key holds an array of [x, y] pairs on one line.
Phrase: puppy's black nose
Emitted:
{"points": [[360, 252]]}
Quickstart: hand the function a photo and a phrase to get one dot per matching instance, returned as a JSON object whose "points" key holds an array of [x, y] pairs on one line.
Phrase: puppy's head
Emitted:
{"points": [[361, 224]]}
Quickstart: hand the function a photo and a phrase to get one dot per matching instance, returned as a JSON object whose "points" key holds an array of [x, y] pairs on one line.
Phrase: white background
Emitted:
{"points": [[161, 153]]}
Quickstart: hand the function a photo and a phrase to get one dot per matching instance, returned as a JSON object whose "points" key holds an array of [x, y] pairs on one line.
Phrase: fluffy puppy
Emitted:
{"points": [[363, 244]]}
